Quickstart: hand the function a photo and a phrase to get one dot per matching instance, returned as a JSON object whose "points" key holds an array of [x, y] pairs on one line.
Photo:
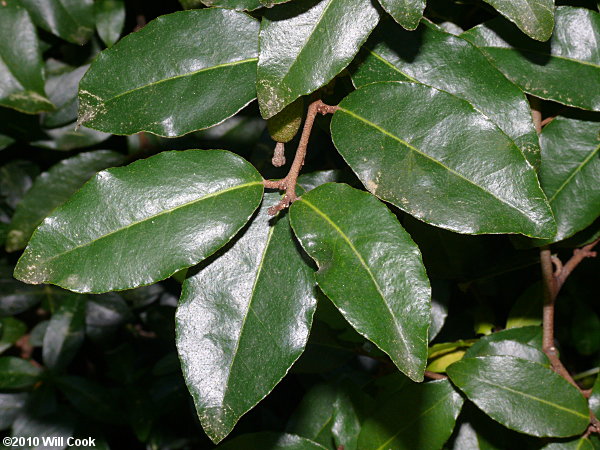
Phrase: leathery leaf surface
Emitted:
{"points": [[522, 395], [570, 173], [541, 68], [406, 12], [436, 157], [243, 320], [370, 269], [180, 73], [533, 17], [434, 57], [304, 44], [134, 225]]}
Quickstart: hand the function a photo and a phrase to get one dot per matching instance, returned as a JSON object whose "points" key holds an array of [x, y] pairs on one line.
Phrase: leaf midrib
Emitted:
{"points": [[163, 212], [575, 172], [400, 330], [532, 397], [184, 75], [452, 171]]}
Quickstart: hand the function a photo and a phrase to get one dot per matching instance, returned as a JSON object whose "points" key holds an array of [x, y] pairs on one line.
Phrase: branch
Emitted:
{"points": [[288, 184], [579, 254]]}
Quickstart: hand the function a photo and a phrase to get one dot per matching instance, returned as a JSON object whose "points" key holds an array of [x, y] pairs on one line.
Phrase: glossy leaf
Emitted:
{"points": [[52, 188], [522, 343], [570, 172], [70, 137], [522, 395], [110, 19], [432, 406], [595, 398], [542, 68], [238, 330], [271, 441], [65, 332], [238, 5], [533, 17], [209, 77], [300, 51], [436, 58], [370, 269], [62, 91], [458, 170], [576, 444], [147, 224], [407, 13], [72, 20], [16, 373], [21, 76]]}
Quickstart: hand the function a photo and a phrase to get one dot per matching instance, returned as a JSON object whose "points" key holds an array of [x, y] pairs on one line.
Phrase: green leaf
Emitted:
{"points": [[16, 178], [271, 441], [16, 373], [110, 20], [569, 173], [62, 91], [370, 269], [21, 76], [238, 5], [524, 343], [595, 398], [576, 444], [436, 58], [72, 20], [533, 17], [407, 13], [527, 309], [419, 416], [52, 188], [209, 78], [150, 219], [10, 406], [522, 395], [31, 424], [542, 68], [256, 299], [458, 170], [65, 332], [12, 329], [305, 44]]}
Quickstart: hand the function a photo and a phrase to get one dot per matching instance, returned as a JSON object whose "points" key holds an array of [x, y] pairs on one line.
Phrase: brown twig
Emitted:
{"points": [[536, 113], [553, 280], [288, 184], [435, 375]]}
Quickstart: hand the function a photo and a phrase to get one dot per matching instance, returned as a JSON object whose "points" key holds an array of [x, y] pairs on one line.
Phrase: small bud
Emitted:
{"points": [[279, 155]]}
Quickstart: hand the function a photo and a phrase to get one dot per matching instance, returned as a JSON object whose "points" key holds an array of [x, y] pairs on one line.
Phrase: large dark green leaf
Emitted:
{"points": [[271, 441], [16, 373], [305, 44], [243, 320], [370, 269], [525, 343], [21, 77], [419, 416], [542, 68], [569, 173], [439, 59], [52, 189], [522, 395], [406, 12], [65, 332], [436, 157], [595, 398], [138, 224], [576, 444], [534, 17], [72, 20], [110, 19], [182, 72]]}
